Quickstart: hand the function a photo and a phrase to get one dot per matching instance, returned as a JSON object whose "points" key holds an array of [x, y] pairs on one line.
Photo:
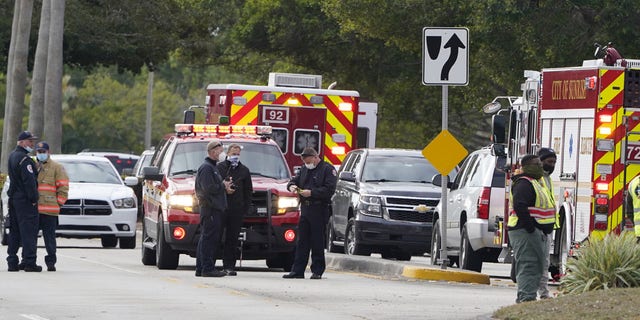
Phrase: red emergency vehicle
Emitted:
{"points": [[590, 116], [300, 112]]}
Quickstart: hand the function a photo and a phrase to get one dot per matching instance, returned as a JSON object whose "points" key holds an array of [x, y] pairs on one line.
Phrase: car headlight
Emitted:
{"points": [[287, 203], [370, 205], [184, 201], [124, 203]]}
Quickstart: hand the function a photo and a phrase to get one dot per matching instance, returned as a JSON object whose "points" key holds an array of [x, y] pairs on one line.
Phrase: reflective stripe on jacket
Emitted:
{"points": [[633, 187], [543, 211], [53, 187], [545, 181]]}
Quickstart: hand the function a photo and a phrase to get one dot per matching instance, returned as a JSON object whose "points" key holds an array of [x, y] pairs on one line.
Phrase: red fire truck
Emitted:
{"points": [[590, 116], [300, 113]]}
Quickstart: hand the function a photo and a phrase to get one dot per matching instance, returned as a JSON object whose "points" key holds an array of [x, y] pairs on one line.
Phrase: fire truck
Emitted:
{"points": [[170, 226], [590, 116], [300, 113]]}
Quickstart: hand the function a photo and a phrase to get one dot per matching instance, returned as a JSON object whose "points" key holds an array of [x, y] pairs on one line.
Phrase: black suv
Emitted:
{"points": [[384, 203]]}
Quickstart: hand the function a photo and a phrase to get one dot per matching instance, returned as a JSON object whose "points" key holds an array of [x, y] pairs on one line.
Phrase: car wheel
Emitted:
{"points": [[127, 242], [351, 245], [403, 256], [166, 257], [435, 243], [109, 241], [148, 255], [331, 238], [469, 259]]}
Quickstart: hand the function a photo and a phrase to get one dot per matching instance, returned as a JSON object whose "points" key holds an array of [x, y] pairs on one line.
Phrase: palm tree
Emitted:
{"points": [[53, 86], [36, 106]]}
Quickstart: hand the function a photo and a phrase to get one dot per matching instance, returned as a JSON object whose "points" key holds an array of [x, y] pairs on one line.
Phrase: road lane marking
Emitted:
{"points": [[103, 264], [33, 317]]}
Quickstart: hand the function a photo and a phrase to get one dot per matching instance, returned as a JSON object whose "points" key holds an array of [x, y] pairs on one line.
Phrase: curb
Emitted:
{"points": [[391, 268]]}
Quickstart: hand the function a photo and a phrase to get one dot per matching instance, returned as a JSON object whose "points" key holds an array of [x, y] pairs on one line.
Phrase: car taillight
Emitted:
{"points": [[483, 203], [601, 211], [290, 235], [179, 233]]}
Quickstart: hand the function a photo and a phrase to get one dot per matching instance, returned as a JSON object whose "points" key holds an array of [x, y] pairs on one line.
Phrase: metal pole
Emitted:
{"points": [[147, 132], [445, 181]]}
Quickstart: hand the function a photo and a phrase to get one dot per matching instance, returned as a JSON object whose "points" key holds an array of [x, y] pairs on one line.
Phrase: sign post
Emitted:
{"points": [[445, 62]]}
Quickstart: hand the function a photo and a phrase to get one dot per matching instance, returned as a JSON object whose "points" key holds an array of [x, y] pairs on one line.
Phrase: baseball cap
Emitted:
{"points": [[308, 152], [26, 135], [42, 146], [546, 153]]}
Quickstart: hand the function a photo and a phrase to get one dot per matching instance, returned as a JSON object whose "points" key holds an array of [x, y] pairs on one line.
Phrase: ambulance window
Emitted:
{"points": [[363, 137], [281, 137], [306, 138]]}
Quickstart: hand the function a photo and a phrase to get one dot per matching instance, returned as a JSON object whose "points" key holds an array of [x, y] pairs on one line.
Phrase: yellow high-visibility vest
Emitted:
{"points": [[633, 186], [544, 209]]}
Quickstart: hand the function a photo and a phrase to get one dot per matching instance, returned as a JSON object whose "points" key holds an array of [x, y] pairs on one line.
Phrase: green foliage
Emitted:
{"points": [[613, 262]]}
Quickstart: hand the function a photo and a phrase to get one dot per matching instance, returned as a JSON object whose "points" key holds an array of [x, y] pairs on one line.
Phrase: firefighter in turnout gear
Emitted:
{"points": [[53, 187], [634, 189], [531, 217], [315, 184]]}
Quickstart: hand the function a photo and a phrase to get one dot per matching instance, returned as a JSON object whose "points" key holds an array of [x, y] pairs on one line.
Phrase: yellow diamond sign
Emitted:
{"points": [[444, 152]]}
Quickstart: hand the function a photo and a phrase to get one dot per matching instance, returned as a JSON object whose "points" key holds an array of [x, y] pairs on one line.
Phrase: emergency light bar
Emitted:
{"points": [[186, 128]]}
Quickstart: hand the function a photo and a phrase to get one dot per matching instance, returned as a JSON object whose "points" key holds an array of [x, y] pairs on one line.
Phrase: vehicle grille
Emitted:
{"points": [[86, 207], [258, 207], [403, 209]]}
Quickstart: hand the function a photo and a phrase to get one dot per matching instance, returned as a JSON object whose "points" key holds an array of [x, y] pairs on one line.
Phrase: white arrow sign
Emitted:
{"points": [[445, 56]]}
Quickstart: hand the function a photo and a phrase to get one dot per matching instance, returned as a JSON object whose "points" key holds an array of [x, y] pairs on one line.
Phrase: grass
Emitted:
{"points": [[603, 282], [621, 303]]}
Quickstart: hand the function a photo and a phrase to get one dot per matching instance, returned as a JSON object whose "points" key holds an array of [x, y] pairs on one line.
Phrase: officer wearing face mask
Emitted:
{"points": [[548, 158], [531, 217], [315, 184], [23, 206], [238, 200]]}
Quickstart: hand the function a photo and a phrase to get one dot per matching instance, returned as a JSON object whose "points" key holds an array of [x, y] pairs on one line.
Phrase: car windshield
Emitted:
{"points": [[85, 171], [262, 159], [397, 168]]}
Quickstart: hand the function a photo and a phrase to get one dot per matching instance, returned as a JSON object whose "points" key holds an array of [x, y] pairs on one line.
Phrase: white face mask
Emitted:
{"points": [[222, 156], [310, 166], [29, 149]]}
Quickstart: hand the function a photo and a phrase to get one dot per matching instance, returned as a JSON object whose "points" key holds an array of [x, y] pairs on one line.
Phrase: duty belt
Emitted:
{"points": [[311, 202]]}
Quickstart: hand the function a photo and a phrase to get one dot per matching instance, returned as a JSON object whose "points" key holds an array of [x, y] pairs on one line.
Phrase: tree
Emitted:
{"points": [[53, 85], [18, 76], [37, 102]]}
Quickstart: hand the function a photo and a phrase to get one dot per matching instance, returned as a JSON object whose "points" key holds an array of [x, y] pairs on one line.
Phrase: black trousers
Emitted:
{"points": [[311, 233], [48, 225], [232, 223], [210, 232], [23, 231]]}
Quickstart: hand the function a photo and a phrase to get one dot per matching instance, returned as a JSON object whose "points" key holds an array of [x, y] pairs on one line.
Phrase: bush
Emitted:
{"points": [[613, 262]]}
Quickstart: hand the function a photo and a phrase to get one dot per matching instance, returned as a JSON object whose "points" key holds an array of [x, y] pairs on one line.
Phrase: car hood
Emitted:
{"points": [[99, 191], [405, 189]]}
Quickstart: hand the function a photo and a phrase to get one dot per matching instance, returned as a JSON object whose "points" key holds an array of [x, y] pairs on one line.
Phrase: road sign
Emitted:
{"points": [[444, 152], [445, 54]]}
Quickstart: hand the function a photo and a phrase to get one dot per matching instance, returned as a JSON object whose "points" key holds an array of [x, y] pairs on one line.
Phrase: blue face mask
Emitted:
{"points": [[29, 149], [234, 160], [42, 157]]}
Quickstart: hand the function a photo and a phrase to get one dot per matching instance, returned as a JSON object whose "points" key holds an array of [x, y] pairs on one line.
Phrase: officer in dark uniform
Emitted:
{"points": [[211, 191], [238, 199], [23, 206], [315, 184]]}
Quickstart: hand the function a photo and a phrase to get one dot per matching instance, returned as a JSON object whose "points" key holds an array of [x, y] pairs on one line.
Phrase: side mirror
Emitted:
{"points": [[152, 173], [347, 176], [498, 127], [498, 150], [131, 181], [437, 181]]}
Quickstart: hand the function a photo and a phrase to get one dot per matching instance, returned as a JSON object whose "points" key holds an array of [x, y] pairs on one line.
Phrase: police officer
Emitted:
{"points": [[531, 217], [211, 191], [23, 206], [53, 187], [238, 199], [315, 184]]}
